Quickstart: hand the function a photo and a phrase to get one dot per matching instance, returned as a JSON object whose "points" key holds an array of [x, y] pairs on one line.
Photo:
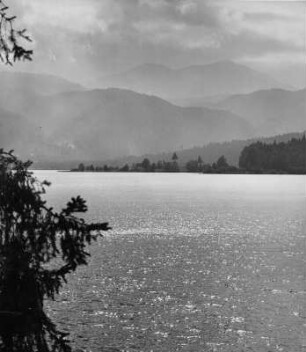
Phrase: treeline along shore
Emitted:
{"points": [[259, 158]]}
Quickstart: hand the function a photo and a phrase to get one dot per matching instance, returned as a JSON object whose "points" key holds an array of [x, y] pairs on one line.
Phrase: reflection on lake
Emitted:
{"points": [[193, 263]]}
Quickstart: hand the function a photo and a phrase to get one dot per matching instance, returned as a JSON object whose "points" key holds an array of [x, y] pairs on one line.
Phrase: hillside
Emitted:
{"points": [[57, 122], [17, 133], [272, 111], [112, 123], [40, 84], [220, 78], [19, 90]]}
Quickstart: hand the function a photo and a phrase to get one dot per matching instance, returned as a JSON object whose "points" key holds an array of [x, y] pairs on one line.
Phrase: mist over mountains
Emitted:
{"points": [[16, 132], [273, 111], [51, 120], [220, 78], [20, 90], [111, 123]]}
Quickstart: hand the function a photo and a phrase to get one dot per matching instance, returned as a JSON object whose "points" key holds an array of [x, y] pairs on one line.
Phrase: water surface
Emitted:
{"points": [[193, 263]]}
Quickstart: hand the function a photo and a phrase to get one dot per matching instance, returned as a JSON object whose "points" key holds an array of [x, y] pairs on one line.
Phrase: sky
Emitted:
{"points": [[84, 40]]}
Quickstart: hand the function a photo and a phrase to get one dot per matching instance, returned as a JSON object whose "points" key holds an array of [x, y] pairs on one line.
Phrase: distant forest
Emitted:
{"points": [[209, 153], [283, 157], [287, 157]]}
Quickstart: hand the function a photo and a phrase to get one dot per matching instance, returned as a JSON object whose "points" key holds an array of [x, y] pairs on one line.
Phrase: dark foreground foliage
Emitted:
{"points": [[38, 249], [12, 40]]}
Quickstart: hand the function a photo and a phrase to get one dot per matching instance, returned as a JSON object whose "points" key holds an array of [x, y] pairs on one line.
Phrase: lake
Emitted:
{"points": [[193, 263]]}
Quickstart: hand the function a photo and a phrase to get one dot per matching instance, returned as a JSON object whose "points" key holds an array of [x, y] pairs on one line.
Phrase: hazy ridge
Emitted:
{"points": [[55, 122], [270, 111], [218, 78]]}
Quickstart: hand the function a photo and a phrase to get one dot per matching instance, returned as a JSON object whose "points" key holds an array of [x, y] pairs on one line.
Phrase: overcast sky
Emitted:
{"points": [[85, 39]]}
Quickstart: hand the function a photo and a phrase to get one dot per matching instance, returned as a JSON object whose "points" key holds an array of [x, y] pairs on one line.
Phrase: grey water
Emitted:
{"points": [[193, 263]]}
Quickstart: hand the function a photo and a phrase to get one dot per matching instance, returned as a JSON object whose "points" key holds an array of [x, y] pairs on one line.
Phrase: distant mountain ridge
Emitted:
{"points": [[220, 78], [41, 84], [49, 119], [269, 111], [19, 90], [114, 122]]}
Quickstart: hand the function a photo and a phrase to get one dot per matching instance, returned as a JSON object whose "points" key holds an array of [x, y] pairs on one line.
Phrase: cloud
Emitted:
{"points": [[78, 16], [278, 20], [111, 35]]}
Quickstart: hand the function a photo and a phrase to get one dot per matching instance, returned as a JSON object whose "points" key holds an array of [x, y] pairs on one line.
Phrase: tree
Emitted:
{"points": [[81, 167], [90, 168], [12, 40], [174, 157], [153, 167], [192, 166], [289, 157], [146, 164], [222, 163], [125, 168], [159, 165], [32, 236], [173, 167]]}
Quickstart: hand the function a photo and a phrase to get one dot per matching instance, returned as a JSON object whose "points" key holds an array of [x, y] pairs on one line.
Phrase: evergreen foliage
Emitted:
{"points": [[287, 157], [38, 249], [174, 156], [11, 39], [221, 166], [222, 163], [81, 167], [283, 157], [210, 152], [146, 164]]}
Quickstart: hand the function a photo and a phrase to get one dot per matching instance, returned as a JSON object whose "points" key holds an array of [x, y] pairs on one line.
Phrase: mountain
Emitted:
{"points": [[40, 84], [23, 136], [19, 90], [16, 132], [100, 124], [206, 101], [220, 78], [49, 119], [272, 111]]}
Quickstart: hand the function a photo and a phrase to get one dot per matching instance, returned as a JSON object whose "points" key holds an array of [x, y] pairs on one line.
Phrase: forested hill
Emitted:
{"points": [[210, 152], [287, 157]]}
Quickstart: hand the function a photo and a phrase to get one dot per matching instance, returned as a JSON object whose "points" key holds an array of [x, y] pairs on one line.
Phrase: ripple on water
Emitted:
{"points": [[200, 267]]}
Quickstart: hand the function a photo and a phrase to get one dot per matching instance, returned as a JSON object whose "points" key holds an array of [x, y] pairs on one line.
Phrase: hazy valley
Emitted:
{"points": [[53, 121]]}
